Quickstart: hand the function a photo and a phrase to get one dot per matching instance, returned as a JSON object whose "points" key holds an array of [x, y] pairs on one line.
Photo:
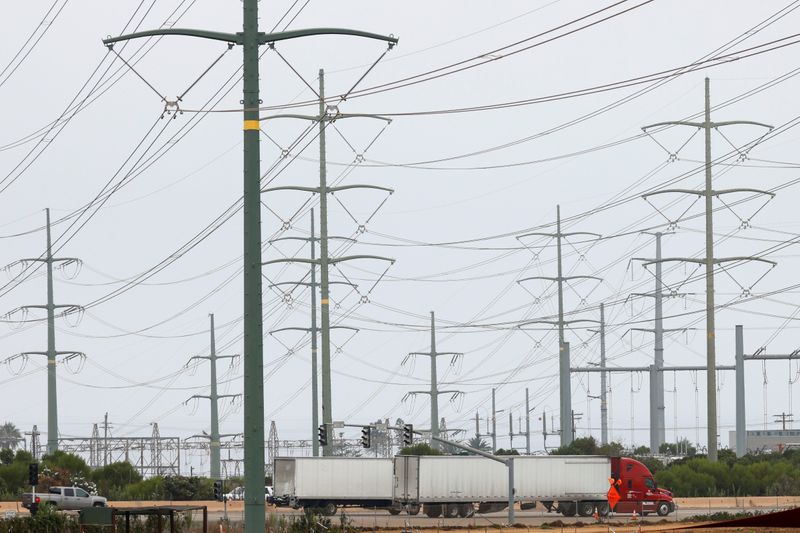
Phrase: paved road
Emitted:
{"points": [[537, 517]]}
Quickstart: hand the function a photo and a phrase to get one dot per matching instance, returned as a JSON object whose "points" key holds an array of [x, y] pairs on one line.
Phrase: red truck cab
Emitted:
{"points": [[638, 490]]}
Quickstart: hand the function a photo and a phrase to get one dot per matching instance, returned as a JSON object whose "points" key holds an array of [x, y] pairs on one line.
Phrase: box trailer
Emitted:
{"points": [[325, 483], [454, 485]]}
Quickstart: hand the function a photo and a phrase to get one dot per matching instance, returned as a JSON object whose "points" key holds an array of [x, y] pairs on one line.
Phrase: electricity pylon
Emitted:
{"points": [[250, 39], [313, 330], [213, 398], [708, 193], [657, 403], [434, 391], [51, 353], [565, 386], [326, 116]]}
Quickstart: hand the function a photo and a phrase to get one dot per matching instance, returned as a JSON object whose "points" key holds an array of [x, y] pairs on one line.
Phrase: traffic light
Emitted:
{"points": [[322, 435], [33, 474], [218, 490], [408, 434], [366, 436]]}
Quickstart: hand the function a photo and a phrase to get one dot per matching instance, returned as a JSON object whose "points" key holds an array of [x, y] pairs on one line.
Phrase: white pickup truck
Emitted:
{"points": [[63, 498]]}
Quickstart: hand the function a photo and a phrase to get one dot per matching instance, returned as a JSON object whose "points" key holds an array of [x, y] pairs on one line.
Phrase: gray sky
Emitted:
{"points": [[138, 341]]}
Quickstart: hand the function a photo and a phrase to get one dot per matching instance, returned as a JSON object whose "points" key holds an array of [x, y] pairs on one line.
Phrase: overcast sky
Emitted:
{"points": [[466, 185]]}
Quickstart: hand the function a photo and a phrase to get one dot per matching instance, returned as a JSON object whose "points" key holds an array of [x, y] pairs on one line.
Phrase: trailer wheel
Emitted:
{"points": [[585, 508], [329, 509], [451, 510], [466, 510], [413, 509], [567, 508], [394, 511], [663, 509], [433, 510], [603, 509]]}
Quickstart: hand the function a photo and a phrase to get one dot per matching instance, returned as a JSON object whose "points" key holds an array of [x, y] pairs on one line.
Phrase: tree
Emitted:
{"points": [[114, 477], [6, 456], [10, 436], [642, 450], [503, 451], [479, 444], [421, 448]]}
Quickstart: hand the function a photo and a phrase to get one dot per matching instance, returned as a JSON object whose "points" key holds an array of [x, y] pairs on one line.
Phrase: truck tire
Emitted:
{"points": [[98, 504], [451, 510], [329, 509], [413, 509], [603, 509], [466, 510], [433, 510], [663, 509], [567, 508], [585, 508], [393, 511]]}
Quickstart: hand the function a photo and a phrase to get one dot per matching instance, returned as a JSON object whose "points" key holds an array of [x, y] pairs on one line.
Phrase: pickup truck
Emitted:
{"points": [[63, 498]]}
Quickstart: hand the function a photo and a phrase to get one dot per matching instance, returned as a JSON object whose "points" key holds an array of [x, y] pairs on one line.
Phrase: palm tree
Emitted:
{"points": [[479, 444], [10, 437]]}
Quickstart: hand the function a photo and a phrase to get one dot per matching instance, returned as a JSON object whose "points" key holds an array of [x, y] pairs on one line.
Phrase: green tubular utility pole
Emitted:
{"points": [[314, 364], [327, 415], [434, 386], [253, 322], [250, 39], [213, 398], [434, 391], [52, 392], [214, 444], [708, 193], [565, 387], [711, 343], [50, 353]]}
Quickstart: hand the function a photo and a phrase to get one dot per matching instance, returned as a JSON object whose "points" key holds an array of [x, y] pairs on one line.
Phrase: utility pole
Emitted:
{"points": [[708, 193], [603, 383], [657, 403], [213, 398], [434, 391], [105, 439], [325, 261], [313, 330], [250, 39], [494, 423], [51, 353], [783, 418], [759, 355], [34, 434], [527, 423], [565, 386]]}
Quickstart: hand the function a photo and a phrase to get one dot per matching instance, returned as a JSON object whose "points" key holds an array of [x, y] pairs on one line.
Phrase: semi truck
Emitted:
{"points": [[326, 483], [454, 486]]}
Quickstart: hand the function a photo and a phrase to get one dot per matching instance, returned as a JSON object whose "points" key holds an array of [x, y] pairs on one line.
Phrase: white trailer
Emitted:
{"points": [[326, 483], [452, 485]]}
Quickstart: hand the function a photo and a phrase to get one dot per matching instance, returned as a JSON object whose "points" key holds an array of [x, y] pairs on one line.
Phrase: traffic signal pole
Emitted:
{"points": [[250, 39]]}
